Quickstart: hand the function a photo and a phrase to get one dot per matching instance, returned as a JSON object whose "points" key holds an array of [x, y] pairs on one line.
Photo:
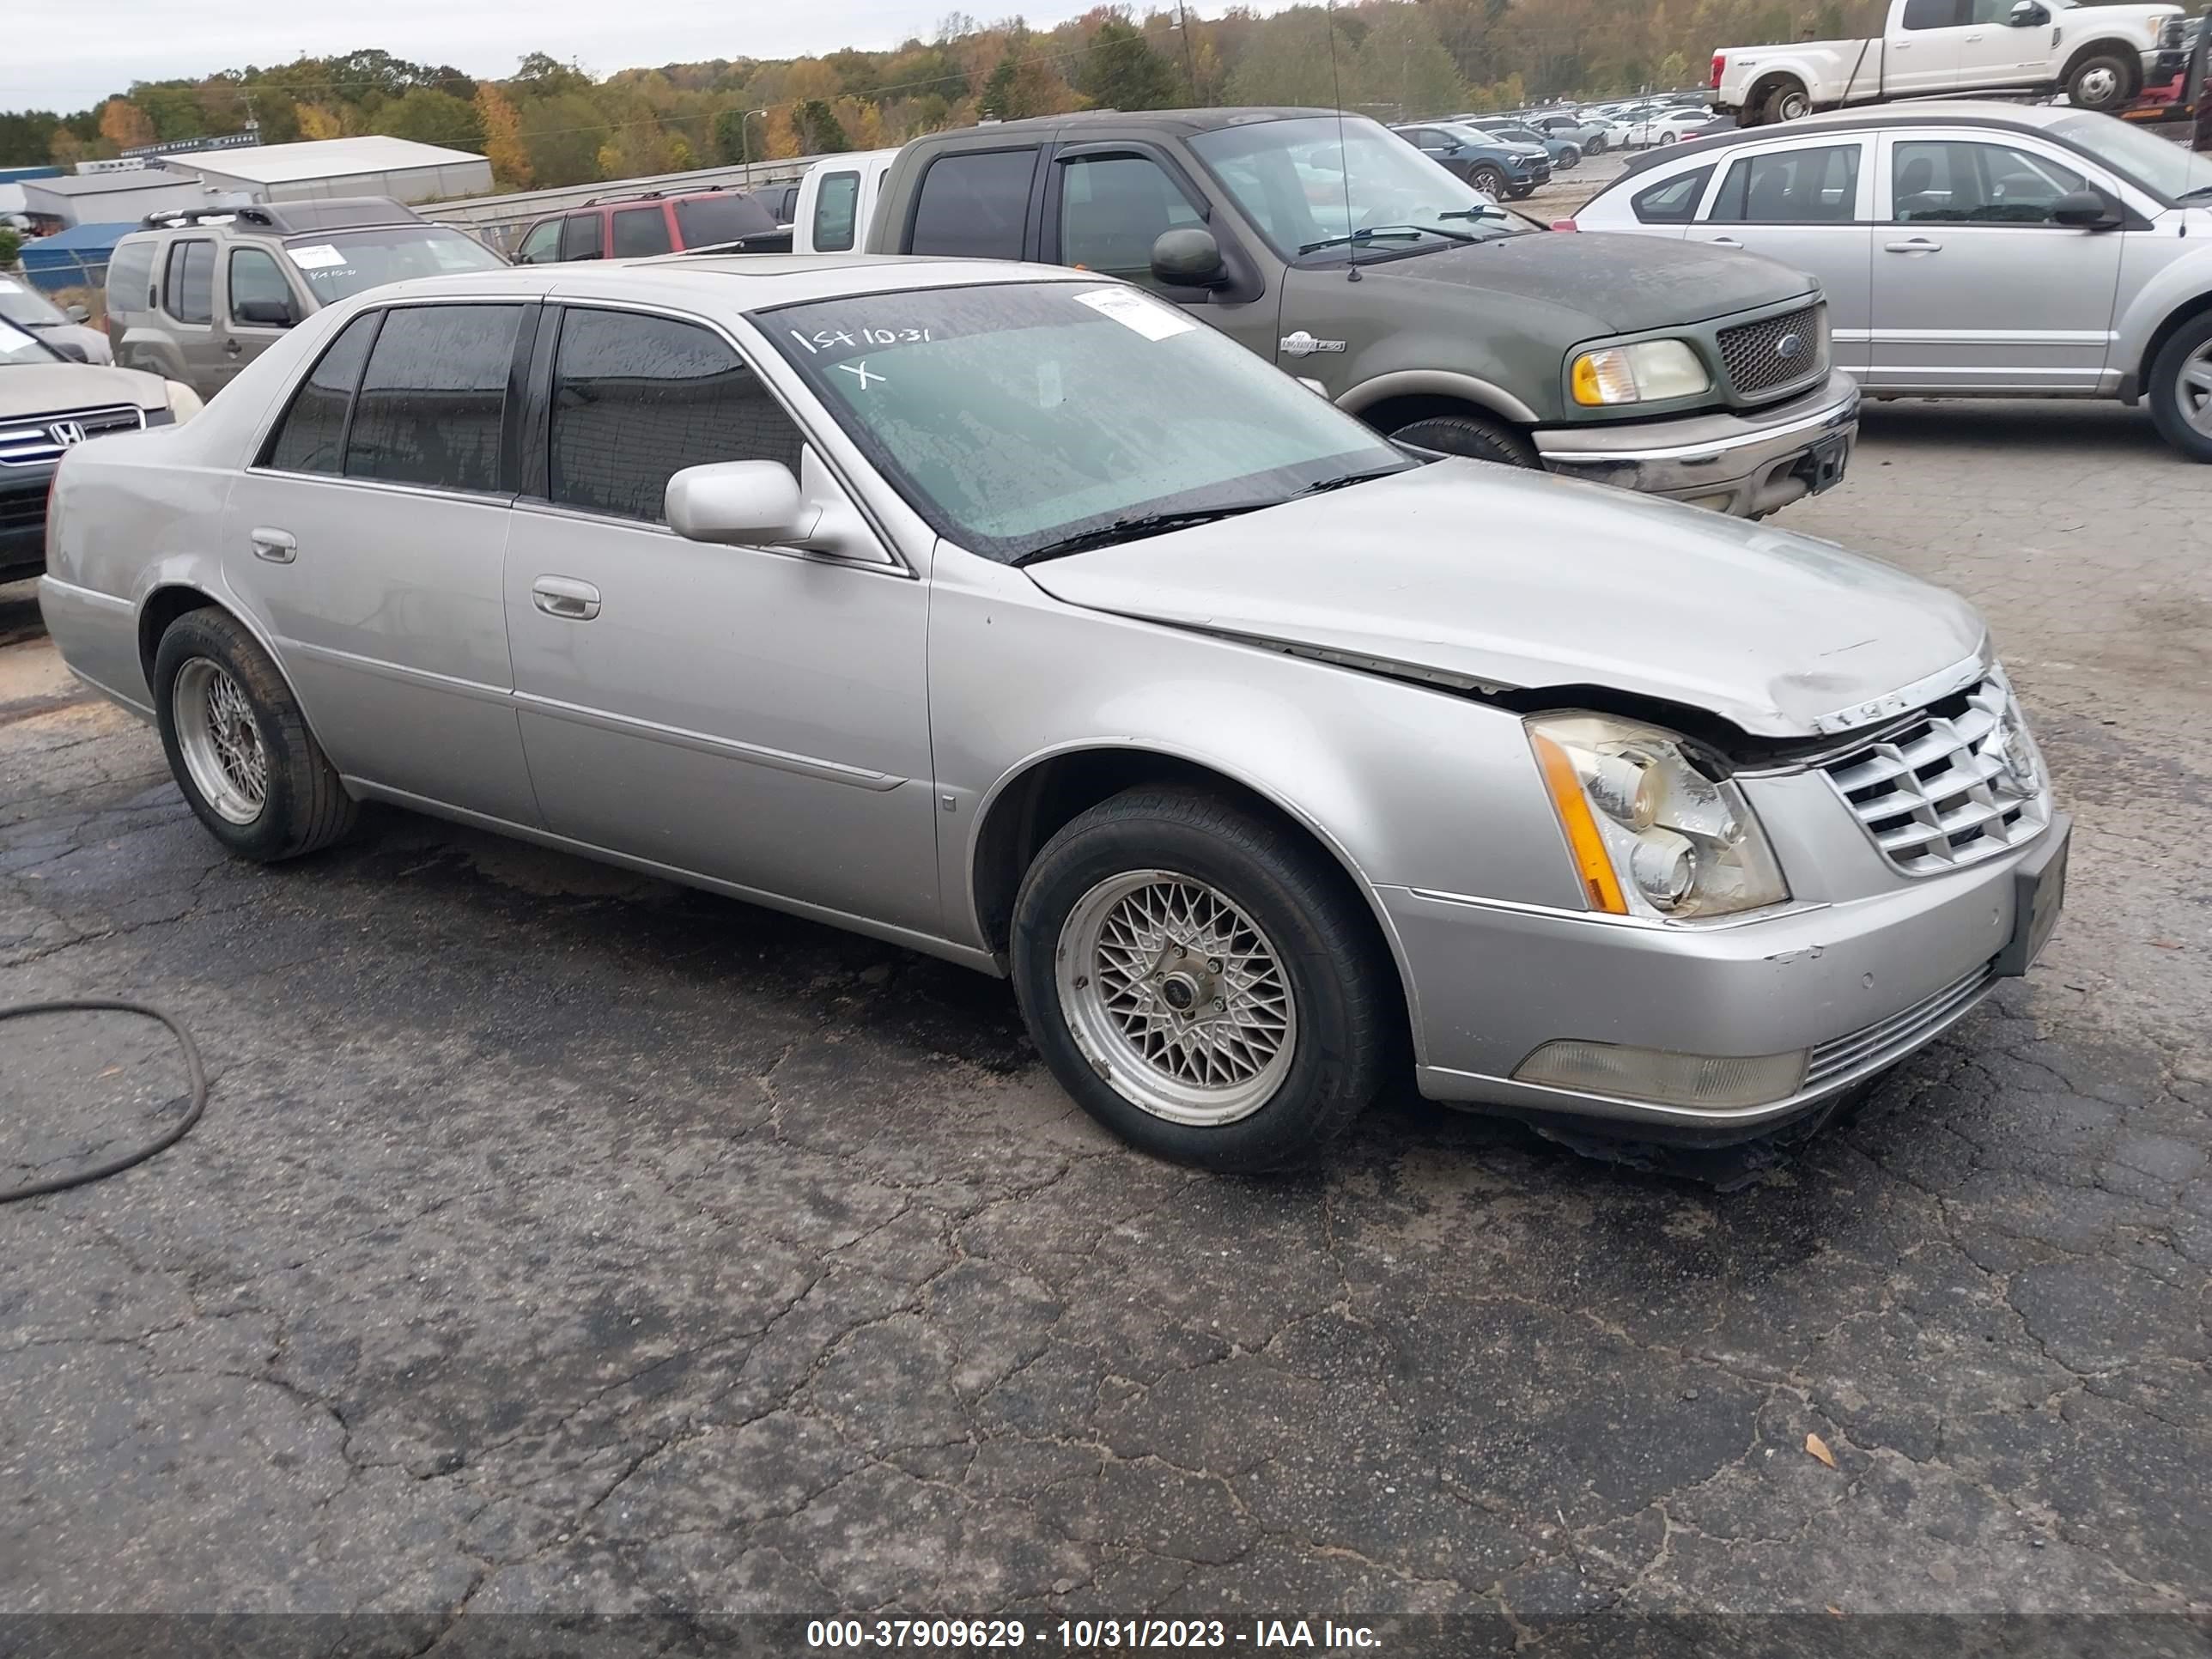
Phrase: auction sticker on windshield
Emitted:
{"points": [[317, 256], [1133, 311]]}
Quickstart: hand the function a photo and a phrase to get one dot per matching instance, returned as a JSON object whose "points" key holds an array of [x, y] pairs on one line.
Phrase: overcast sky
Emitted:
{"points": [[75, 57]]}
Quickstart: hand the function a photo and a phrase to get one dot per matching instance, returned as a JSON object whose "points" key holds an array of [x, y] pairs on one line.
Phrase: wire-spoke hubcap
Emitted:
{"points": [[220, 741], [1177, 997], [2193, 390]]}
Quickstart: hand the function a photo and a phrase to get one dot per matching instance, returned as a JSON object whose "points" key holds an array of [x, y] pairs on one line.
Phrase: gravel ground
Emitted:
{"points": [[558, 1240]]}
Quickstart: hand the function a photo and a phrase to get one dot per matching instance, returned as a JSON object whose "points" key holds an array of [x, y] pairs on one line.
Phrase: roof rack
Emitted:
{"points": [[169, 218], [292, 218], [655, 195]]}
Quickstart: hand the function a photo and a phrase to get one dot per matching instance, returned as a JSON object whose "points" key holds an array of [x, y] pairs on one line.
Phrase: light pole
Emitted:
{"points": [[745, 140]]}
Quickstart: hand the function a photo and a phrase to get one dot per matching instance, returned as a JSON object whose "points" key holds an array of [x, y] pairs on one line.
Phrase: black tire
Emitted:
{"points": [[1490, 180], [1471, 435], [304, 806], [1786, 100], [2191, 348], [2126, 78], [1348, 1012], [1522, 192]]}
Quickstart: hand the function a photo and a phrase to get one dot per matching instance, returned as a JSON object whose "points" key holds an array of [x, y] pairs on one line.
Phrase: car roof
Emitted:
{"points": [[1934, 111], [1180, 121], [749, 282]]}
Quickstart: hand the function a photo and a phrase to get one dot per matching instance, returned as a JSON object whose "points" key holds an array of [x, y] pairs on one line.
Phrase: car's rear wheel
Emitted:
{"points": [[2181, 389], [1490, 180], [1201, 980], [1470, 435], [1786, 101], [239, 745], [2105, 82]]}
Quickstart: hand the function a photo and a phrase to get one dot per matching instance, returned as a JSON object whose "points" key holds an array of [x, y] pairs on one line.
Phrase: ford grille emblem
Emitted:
{"points": [[67, 433], [1789, 347]]}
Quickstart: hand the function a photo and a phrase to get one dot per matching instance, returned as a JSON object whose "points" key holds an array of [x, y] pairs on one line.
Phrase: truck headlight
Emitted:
{"points": [[1652, 834], [1647, 373]]}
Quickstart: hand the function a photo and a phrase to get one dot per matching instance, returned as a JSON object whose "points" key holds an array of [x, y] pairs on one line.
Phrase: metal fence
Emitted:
{"points": [[498, 221], [81, 277]]}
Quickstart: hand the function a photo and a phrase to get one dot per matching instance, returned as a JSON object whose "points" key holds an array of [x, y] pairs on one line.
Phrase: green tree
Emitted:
{"points": [[1121, 71], [820, 132], [1289, 61], [11, 244], [433, 118], [998, 96], [1404, 68], [561, 134]]}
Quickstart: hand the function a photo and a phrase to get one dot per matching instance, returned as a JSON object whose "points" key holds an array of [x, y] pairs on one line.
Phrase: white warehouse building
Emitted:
{"points": [[373, 165]]}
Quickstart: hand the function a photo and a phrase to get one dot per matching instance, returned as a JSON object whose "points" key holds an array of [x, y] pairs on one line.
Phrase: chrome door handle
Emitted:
{"points": [[1918, 245], [1724, 241], [277, 546], [569, 600]]}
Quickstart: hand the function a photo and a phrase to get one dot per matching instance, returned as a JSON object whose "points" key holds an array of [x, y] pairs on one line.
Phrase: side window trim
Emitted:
{"points": [[353, 392], [1862, 198]]}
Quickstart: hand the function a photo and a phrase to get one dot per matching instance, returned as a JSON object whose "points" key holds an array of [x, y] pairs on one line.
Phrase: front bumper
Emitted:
{"points": [[1744, 464], [1861, 984], [23, 521]]}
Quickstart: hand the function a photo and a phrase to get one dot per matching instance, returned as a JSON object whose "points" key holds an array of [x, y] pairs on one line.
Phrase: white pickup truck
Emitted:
{"points": [[2099, 55]]}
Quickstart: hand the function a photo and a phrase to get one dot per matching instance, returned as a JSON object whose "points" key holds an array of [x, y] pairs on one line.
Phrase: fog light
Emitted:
{"points": [[1706, 1082]]}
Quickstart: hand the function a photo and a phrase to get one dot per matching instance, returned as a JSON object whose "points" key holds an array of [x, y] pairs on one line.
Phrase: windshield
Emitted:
{"points": [[340, 263], [1017, 416], [20, 345], [19, 304], [2161, 166], [1293, 180]]}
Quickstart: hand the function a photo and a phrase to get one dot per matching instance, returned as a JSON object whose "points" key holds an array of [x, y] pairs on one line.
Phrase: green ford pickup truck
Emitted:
{"points": [[1335, 249]]}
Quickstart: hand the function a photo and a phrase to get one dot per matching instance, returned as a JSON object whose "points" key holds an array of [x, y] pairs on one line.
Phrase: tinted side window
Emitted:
{"points": [[130, 275], [308, 439], [255, 275], [835, 210], [1934, 13], [431, 398], [542, 247], [1672, 201], [1796, 187], [189, 288], [975, 205], [580, 237], [641, 232], [1112, 209], [637, 399]]}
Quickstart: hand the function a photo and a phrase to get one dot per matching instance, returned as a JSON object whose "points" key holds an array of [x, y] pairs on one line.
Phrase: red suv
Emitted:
{"points": [[658, 221]]}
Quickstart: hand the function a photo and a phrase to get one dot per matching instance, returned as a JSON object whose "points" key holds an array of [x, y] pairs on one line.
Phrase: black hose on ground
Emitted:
{"points": [[193, 1069]]}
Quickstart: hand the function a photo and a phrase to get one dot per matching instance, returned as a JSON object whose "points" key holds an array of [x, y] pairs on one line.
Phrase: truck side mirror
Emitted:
{"points": [[268, 313], [1188, 258], [2086, 210], [2028, 15]]}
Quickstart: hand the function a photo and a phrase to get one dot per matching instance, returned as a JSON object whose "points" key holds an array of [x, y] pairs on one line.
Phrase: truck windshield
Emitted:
{"points": [[2161, 166], [340, 263], [1299, 184], [1024, 419]]}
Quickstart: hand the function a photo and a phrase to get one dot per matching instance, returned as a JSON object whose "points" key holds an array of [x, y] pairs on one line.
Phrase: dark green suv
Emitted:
{"points": [[1338, 251]]}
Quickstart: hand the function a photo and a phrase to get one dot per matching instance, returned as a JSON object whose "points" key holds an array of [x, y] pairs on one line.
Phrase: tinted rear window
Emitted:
{"points": [[432, 398], [975, 205], [189, 288], [315, 427], [706, 220], [130, 275], [1672, 201], [641, 232]]}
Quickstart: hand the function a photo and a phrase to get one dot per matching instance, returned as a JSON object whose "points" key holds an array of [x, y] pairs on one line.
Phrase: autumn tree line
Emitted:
{"points": [[551, 122]]}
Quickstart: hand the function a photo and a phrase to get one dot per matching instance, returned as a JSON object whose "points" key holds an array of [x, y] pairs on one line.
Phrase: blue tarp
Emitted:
{"points": [[76, 258]]}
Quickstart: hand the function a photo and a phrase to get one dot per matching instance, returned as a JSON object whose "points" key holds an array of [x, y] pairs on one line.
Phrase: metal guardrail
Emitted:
{"points": [[498, 220]]}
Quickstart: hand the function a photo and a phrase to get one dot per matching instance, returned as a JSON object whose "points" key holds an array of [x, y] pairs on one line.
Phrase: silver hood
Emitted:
{"points": [[1492, 576], [48, 388]]}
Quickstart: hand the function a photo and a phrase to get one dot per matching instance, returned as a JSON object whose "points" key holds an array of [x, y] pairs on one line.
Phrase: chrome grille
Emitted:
{"points": [[1960, 783], [1902, 1032], [39, 439], [1752, 353]]}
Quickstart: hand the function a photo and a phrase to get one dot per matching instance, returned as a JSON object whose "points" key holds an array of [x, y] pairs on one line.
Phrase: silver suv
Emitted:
{"points": [[198, 294]]}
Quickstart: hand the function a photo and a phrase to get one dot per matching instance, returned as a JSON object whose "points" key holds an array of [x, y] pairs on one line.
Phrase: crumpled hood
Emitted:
{"points": [[48, 388], [1623, 283], [1520, 579]]}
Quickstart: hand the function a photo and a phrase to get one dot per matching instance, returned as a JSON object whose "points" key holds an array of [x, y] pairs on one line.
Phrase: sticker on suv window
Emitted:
{"points": [[1131, 310], [318, 256]]}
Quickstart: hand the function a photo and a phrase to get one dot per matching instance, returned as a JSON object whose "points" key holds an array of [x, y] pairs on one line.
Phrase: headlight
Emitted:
{"points": [[1650, 833], [184, 402], [1639, 374]]}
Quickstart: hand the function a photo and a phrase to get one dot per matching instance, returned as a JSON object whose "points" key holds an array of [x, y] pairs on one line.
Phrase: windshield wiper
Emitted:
{"points": [[1388, 233], [1348, 480], [2193, 193], [1135, 529]]}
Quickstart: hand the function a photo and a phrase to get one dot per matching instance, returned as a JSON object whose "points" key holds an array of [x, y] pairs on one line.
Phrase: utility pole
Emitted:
{"points": [[1190, 63]]}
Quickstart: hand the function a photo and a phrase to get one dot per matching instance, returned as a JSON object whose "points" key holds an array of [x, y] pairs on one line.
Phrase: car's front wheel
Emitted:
{"points": [[239, 745], [2181, 389], [1490, 180], [1470, 435], [1202, 981]]}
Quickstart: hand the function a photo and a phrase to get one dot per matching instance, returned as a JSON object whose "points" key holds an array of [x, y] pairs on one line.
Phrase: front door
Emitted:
{"points": [[251, 279], [1807, 204], [1993, 53], [1975, 288], [369, 539], [756, 715]]}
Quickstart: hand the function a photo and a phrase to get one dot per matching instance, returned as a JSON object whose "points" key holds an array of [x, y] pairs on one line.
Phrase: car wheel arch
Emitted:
{"points": [[161, 606], [1390, 401], [1028, 806], [2172, 324]]}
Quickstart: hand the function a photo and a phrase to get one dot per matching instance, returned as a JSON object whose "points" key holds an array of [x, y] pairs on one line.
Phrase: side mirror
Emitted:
{"points": [[269, 313], [2086, 210], [1188, 258], [2028, 15], [739, 503], [77, 314]]}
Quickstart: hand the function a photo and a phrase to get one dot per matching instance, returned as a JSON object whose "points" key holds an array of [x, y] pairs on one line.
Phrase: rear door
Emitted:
{"points": [[188, 309], [1975, 288], [1923, 51], [583, 236], [1808, 204]]}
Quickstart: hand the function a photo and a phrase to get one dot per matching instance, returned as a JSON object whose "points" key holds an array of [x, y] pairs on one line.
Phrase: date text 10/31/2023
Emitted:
{"points": [[1088, 1635]]}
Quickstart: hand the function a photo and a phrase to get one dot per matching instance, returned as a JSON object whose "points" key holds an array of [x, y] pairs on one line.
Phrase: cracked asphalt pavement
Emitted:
{"points": [[559, 1241]]}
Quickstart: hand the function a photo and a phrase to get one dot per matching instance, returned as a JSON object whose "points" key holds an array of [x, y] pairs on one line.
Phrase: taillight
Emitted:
{"points": [[1565, 224], [1720, 62]]}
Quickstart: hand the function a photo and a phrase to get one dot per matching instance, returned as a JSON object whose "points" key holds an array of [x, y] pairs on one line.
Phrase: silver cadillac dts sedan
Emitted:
{"points": [[1014, 616]]}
